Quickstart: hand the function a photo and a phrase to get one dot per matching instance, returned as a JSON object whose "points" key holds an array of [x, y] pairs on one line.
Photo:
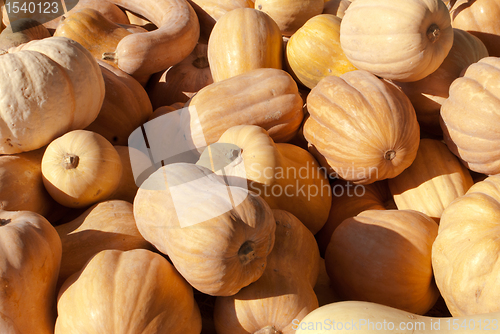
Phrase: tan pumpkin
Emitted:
{"points": [[464, 255], [81, 168], [474, 103], [313, 51], [266, 97], [242, 40], [480, 18], [135, 291], [410, 48], [349, 200], [286, 176], [336, 7], [434, 179], [92, 30], [181, 81], [292, 14], [284, 293], [384, 256], [141, 55], [360, 127], [22, 31], [106, 225], [30, 250], [428, 94], [64, 75], [219, 243], [21, 185], [126, 106]]}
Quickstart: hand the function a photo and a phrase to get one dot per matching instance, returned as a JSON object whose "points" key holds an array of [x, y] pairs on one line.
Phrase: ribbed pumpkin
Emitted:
{"points": [[465, 253], [480, 18], [428, 94], [217, 236], [59, 72], [266, 97], [434, 179], [404, 40], [313, 51], [473, 104], [244, 39], [135, 291], [284, 293], [286, 176], [292, 14], [384, 256], [30, 253], [81, 168], [360, 127]]}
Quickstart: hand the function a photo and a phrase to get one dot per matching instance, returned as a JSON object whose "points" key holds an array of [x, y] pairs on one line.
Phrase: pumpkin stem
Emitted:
{"points": [[389, 155], [70, 161], [4, 222], [110, 56], [433, 32], [268, 330], [246, 252]]}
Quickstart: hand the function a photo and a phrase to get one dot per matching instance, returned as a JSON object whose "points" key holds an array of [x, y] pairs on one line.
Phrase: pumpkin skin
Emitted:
{"points": [[313, 52], [30, 250], [384, 256], [141, 55], [389, 318], [23, 31], [360, 127], [21, 185], [135, 291], [290, 15], [286, 176], [92, 30], [64, 75], [409, 49], [105, 225], [266, 97], [219, 246], [480, 18], [428, 94], [283, 293], [81, 168], [465, 264], [473, 103], [181, 81], [349, 200], [434, 179], [244, 39], [126, 106]]}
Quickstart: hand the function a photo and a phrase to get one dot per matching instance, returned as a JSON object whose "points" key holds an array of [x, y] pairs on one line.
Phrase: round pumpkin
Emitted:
{"points": [[135, 291], [434, 179], [244, 39], [217, 236], [469, 117], [465, 253], [361, 128], [428, 94], [290, 15], [58, 71], [405, 40], [313, 51], [480, 18], [81, 168], [30, 250], [384, 256]]}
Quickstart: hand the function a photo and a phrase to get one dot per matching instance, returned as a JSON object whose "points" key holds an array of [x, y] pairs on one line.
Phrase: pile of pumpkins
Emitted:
{"points": [[342, 162]]}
